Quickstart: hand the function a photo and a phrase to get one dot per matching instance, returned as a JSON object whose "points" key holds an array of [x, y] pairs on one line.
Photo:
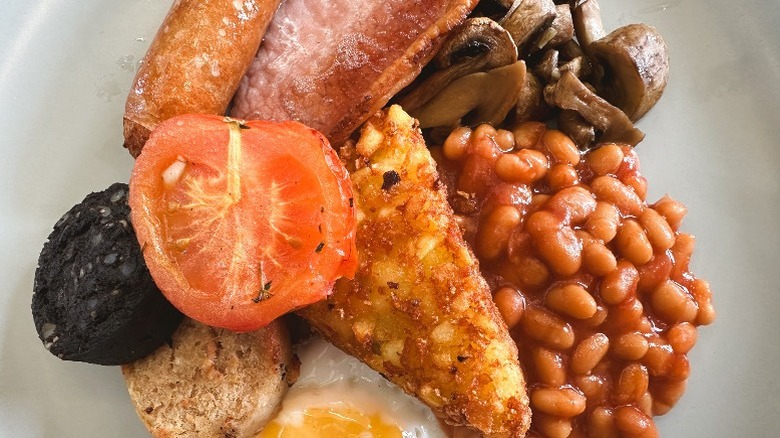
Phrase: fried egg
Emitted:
{"points": [[338, 396]]}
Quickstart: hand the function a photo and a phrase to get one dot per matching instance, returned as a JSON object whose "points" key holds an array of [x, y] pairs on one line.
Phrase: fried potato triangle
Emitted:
{"points": [[418, 310]]}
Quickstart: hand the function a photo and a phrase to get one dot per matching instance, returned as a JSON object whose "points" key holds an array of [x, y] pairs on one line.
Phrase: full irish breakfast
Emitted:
{"points": [[384, 219]]}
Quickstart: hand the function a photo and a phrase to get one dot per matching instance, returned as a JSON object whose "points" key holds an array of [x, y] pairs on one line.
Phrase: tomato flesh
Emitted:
{"points": [[242, 222]]}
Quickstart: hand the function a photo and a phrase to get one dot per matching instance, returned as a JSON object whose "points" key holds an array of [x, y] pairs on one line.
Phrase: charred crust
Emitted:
{"points": [[389, 179]]}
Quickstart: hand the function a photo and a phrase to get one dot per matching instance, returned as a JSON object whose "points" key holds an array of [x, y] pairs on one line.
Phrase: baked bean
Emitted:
{"points": [[605, 159], [609, 189], [604, 222], [553, 427], [549, 367], [645, 326], [633, 423], [632, 243], [659, 232], [556, 243], [561, 402], [575, 204], [524, 166], [658, 358], [588, 353], [494, 232], [638, 183], [592, 385], [585, 237], [666, 395], [588, 255], [547, 328], [632, 383], [645, 404], [598, 318], [630, 346], [525, 272], [571, 300], [627, 315], [561, 147], [620, 283], [679, 368], [457, 143], [505, 140], [652, 273], [528, 134], [520, 245], [510, 304], [533, 272], [700, 289], [682, 337], [475, 176], [601, 423], [673, 303], [510, 168], [562, 175], [598, 259], [539, 199], [706, 314], [673, 211], [483, 141]]}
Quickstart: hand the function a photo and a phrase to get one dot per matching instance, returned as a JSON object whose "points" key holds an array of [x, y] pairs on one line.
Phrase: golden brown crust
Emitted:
{"points": [[194, 65], [418, 310]]}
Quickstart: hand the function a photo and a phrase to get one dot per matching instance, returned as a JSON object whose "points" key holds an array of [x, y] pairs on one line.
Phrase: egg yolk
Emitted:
{"points": [[338, 421]]}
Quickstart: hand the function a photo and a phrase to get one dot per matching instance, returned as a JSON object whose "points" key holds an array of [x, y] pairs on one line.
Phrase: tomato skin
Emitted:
{"points": [[241, 222]]}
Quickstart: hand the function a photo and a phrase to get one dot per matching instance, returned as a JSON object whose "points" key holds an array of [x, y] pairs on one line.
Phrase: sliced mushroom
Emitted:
{"points": [[632, 63], [634, 68], [577, 128], [570, 50], [571, 94], [480, 45], [530, 103], [587, 22], [546, 68], [483, 97], [526, 19], [505, 3], [560, 31], [579, 66]]}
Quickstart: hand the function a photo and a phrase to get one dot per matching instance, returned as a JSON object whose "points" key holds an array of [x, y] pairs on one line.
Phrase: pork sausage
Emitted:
{"points": [[195, 63], [332, 64]]}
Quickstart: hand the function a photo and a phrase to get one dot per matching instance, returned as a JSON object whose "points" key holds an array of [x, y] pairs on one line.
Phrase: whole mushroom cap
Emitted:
{"points": [[635, 65]]}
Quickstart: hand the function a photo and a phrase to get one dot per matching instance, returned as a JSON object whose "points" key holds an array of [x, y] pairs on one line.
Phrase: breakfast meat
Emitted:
{"points": [[195, 62], [592, 280], [331, 65], [212, 383], [418, 310], [94, 300]]}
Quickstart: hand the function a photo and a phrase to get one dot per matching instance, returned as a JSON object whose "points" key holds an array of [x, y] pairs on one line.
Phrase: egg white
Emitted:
{"points": [[330, 378]]}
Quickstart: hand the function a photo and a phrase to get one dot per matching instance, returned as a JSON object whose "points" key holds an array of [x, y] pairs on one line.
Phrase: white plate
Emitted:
{"points": [[712, 142]]}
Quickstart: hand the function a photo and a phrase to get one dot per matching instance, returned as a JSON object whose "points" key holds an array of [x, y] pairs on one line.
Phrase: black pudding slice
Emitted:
{"points": [[94, 300]]}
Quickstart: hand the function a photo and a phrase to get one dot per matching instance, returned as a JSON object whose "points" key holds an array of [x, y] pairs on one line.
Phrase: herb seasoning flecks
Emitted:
{"points": [[264, 293]]}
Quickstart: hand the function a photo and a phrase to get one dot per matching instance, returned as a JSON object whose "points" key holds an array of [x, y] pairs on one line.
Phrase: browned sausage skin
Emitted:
{"points": [[199, 55], [332, 64]]}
